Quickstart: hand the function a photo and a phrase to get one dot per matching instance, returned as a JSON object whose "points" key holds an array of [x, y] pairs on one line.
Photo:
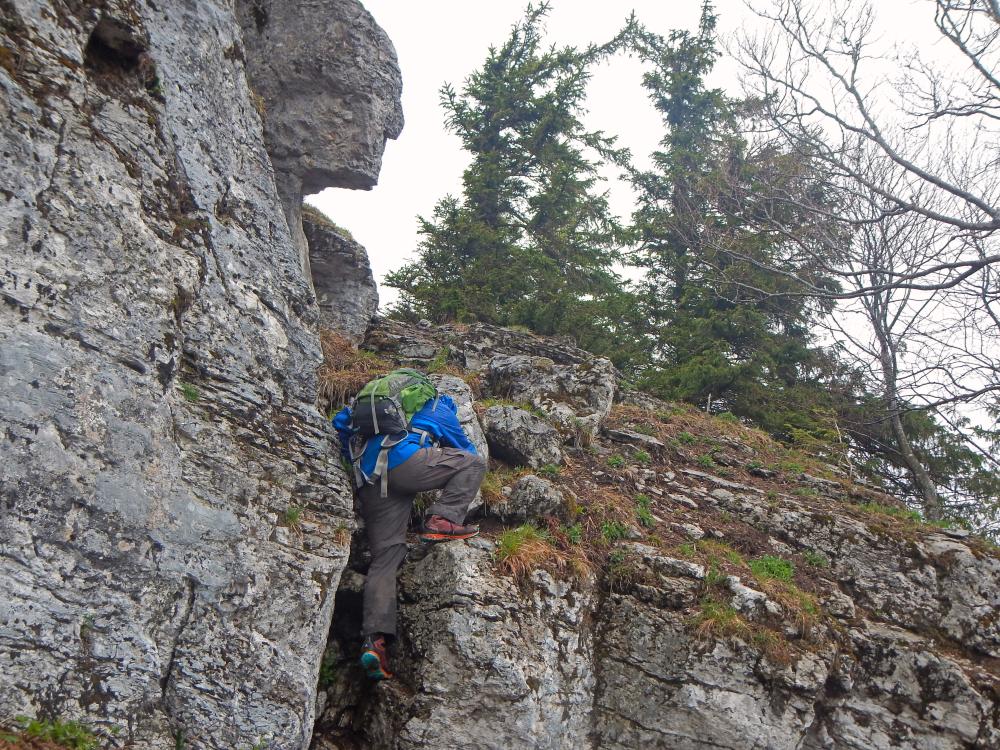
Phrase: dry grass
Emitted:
{"points": [[527, 548], [800, 606], [344, 370]]}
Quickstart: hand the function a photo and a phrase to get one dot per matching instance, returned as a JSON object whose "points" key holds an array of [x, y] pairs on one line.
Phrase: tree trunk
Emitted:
{"points": [[931, 501]]}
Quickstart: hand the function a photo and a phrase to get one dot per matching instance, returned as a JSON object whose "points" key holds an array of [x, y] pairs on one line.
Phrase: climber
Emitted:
{"points": [[394, 461]]}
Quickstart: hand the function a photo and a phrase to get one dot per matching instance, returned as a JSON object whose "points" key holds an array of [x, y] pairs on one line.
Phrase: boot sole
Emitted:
{"points": [[434, 537], [373, 666]]}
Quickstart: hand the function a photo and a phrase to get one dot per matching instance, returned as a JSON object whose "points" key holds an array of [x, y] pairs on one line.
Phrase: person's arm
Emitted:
{"points": [[342, 424], [441, 419]]}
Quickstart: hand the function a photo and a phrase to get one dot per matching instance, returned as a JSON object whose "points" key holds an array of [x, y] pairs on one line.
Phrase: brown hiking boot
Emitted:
{"points": [[440, 529], [375, 657]]}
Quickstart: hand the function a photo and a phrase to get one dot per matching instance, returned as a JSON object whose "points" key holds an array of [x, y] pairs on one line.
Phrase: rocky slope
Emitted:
{"points": [[696, 586], [172, 527], [176, 546]]}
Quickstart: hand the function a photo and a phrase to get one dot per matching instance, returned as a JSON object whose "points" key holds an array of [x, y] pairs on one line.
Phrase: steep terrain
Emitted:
{"points": [[179, 560], [693, 584], [172, 526]]}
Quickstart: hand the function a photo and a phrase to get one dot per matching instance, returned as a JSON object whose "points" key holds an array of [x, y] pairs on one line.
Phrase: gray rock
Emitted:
{"points": [[577, 397], [346, 292], [631, 437], [520, 438], [158, 364], [530, 498], [326, 77]]}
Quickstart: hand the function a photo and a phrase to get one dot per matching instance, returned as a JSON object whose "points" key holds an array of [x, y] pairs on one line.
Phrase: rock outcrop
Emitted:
{"points": [[346, 292], [172, 529], [521, 438], [861, 631], [326, 78]]}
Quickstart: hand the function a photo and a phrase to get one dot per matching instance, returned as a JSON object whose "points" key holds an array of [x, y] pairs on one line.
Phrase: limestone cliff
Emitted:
{"points": [[172, 529]]}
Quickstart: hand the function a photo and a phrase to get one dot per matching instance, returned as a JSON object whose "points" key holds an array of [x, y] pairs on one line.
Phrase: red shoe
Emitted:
{"points": [[440, 529], [375, 658]]}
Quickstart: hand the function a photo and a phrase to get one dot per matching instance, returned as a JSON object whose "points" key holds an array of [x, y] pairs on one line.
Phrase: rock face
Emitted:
{"points": [[342, 277], [577, 397], [521, 438], [168, 553], [326, 76]]}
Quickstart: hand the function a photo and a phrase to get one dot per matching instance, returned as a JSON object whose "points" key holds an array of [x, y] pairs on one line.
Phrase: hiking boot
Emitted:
{"points": [[375, 658], [440, 529]]}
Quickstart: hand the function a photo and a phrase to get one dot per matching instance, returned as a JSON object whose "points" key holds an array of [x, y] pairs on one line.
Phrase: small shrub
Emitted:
{"points": [[686, 438], [293, 517], [727, 416], [574, 533], [68, 734], [189, 392], [612, 531], [815, 559], [705, 461], [643, 511], [616, 461], [642, 457], [772, 568]]}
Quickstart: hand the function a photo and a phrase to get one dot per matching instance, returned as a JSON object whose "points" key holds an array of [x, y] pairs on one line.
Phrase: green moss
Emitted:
{"points": [[189, 392]]}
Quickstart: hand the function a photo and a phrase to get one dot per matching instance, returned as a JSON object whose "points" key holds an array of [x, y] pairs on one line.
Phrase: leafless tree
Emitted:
{"points": [[908, 201]]}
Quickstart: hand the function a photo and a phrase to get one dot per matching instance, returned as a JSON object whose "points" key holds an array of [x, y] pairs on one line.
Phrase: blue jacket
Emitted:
{"points": [[438, 417]]}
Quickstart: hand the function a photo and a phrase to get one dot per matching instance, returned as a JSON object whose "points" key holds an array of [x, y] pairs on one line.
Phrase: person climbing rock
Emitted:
{"points": [[402, 437]]}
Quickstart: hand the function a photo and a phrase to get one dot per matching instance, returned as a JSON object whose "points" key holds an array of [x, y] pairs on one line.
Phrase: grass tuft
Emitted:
{"points": [[772, 568], [68, 734]]}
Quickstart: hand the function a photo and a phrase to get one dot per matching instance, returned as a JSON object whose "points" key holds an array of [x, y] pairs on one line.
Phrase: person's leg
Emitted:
{"points": [[386, 519], [457, 473]]}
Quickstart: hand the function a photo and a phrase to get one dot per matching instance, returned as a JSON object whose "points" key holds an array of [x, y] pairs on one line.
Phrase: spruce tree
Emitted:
{"points": [[724, 328], [531, 240]]}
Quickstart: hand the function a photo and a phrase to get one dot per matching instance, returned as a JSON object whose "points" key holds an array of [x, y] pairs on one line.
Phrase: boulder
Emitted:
{"points": [[578, 397], [530, 498], [520, 438]]}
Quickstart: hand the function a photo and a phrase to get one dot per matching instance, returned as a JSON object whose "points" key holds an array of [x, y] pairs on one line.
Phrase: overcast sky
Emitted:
{"points": [[440, 41]]}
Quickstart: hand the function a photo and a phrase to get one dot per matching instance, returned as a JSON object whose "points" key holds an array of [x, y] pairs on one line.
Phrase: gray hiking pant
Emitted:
{"points": [[454, 471]]}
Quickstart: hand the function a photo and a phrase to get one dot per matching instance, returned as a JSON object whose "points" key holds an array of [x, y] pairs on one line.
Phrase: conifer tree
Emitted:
{"points": [[531, 240], [723, 329]]}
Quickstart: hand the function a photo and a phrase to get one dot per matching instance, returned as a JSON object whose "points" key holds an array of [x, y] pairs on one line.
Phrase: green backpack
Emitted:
{"points": [[385, 406]]}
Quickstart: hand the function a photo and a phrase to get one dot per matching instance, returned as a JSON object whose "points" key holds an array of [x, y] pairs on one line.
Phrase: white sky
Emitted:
{"points": [[440, 41]]}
